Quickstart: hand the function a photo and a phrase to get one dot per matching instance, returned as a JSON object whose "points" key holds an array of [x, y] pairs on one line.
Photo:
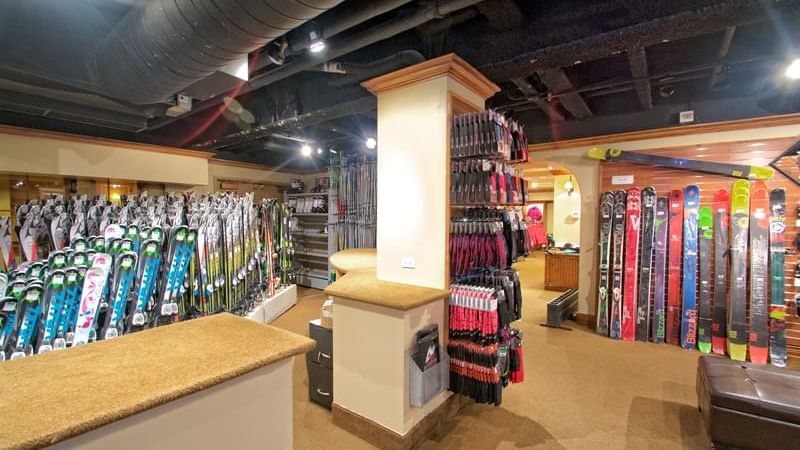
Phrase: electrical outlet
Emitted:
{"points": [[408, 262]]}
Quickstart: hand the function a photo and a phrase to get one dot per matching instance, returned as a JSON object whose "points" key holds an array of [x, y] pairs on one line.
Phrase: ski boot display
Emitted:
{"points": [[606, 217], [645, 264], [618, 236], [759, 273], [660, 232], [674, 277], [689, 313], [777, 309], [705, 226], [740, 227], [721, 229]]}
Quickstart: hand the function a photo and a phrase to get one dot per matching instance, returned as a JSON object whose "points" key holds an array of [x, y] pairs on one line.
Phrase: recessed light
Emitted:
{"points": [[319, 151], [371, 143], [305, 150], [793, 71]]}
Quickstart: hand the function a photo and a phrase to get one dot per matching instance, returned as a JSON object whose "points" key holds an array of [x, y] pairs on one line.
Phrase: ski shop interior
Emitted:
{"points": [[399, 224]]}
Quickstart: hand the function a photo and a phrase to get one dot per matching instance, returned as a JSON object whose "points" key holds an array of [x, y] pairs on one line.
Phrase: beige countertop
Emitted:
{"points": [[354, 259], [52, 397], [364, 286]]}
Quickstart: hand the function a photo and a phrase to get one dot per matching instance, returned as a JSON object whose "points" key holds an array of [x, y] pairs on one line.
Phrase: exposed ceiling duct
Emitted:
{"points": [[163, 46]]}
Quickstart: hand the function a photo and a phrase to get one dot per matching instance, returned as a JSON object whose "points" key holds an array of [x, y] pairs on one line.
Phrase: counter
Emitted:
{"points": [[344, 261]]}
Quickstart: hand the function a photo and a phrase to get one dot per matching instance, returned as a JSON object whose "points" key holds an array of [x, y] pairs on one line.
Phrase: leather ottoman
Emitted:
{"points": [[749, 406]]}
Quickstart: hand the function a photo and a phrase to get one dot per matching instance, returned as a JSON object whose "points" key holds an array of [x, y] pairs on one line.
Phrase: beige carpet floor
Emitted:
{"points": [[581, 391]]}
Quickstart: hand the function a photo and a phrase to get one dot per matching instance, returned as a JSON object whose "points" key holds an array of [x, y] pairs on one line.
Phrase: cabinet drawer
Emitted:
{"points": [[324, 338], [320, 384]]}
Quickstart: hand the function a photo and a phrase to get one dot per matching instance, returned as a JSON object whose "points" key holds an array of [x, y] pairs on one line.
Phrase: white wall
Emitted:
{"points": [[566, 218]]}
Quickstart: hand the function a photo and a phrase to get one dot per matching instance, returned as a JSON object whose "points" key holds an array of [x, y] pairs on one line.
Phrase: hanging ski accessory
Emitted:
{"points": [[740, 226], [705, 225], [618, 233], [730, 170], [660, 232], [674, 277], [633, 212], [606, 218], [721, 226], [691, 200], [777, 309], [645, 264], [759, 272], [94, 286]]}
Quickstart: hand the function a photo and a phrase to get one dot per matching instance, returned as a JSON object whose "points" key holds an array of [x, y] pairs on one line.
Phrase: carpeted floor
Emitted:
{"points": [[580, 391]]}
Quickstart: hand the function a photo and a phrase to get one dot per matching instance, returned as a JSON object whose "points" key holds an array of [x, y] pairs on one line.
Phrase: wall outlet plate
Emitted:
{"points": [[686, 117], [408, 262]]}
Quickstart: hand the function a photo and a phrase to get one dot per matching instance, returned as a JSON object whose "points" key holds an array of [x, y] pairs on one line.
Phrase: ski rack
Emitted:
{"points": [[560, 309]]}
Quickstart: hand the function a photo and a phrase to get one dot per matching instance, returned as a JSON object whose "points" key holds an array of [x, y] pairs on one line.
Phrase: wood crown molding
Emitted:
{"points": [[45, 134], [715, 127], [448, 65]]}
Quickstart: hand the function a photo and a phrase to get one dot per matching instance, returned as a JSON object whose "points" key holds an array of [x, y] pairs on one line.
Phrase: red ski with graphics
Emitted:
{"points": [[631, 282]]}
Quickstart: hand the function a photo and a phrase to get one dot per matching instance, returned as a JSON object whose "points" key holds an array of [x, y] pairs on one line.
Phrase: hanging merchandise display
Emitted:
{"points": [[354, 194], [487, 238], [95, 270], [489, 135], [486, 182]]}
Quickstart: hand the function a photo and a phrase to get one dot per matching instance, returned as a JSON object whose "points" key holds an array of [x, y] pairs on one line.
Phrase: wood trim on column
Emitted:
{"points": [[716, 127], [450, 65], [44, 134]]}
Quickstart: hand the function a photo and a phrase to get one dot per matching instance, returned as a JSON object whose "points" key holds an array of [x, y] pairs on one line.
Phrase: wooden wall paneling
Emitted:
{"points": [[753, 153]]}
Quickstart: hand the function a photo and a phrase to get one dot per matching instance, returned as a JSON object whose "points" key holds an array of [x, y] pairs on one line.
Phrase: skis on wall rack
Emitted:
{"points": [[606, 216], [759, 272], [721, 227], [740, 225], [705, 225], [673, 335], [618, 234], [660, 230], [730, 170], [691, 200], [645, 264], [630, 283], [777, 309]]}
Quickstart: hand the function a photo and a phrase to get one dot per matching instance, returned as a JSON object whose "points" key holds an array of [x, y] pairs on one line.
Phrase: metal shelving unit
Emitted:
{"points": [[312, 244]]}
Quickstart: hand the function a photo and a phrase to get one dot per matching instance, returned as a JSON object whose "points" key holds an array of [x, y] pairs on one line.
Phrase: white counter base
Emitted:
{"points": [[272, 308]]}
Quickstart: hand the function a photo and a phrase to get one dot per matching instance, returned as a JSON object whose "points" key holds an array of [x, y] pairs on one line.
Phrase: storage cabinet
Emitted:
{"points": [[560, 271], [319, 363]]}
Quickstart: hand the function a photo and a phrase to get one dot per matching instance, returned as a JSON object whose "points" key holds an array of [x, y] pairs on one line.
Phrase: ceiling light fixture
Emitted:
{"points": [[305, 150], [316, 43], [569, 187], [333, 151], [371, 143], [319, 151], [793, 70]]}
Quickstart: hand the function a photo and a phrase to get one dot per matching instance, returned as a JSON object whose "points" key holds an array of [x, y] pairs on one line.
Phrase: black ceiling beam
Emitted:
{"points": [[534, 97], [637, 60], [572, 101], [502, 14], [683, 25], [724, 47], [303, 120]]}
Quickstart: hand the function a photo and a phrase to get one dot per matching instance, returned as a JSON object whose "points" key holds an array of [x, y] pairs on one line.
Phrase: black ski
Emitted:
{"points": [[645, 263]]}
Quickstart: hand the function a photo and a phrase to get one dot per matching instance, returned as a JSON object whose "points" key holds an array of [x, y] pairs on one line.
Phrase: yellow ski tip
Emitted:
{"points": [[761, 173], [738, 352], [597, 153]]}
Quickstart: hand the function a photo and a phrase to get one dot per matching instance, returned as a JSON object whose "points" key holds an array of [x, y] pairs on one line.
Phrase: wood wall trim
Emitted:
{"points": [[253, 166], [732, 125], [448, 65], [45, 134]]}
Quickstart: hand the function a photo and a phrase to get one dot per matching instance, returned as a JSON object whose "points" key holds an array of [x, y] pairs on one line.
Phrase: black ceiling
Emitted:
{"points": [[567, 69]]}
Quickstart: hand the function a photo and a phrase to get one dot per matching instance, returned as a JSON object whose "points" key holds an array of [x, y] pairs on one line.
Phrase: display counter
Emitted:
{"points": [[376, 327], [344, 261], [198, 384], [560, 271]]}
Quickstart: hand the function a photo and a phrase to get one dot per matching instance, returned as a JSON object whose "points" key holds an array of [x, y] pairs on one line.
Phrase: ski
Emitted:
{"points": [[705, 226], [674, 277], [646, 264], [29, 308], [94, 285], [691, 200], [777, 309], [8, 318], [759, 272], [740, 226], [124, 272], [618, 233], [54, 299], [630, 283], [721, 229], [606, 216], [731, 170], [147, 273], [660, 232]]}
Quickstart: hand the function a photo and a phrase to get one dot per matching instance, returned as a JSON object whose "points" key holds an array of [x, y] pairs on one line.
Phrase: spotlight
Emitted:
{"points": [[316, 43], [371, 143], [333, 151], [305, 150], [319, 151], [793, 71]]}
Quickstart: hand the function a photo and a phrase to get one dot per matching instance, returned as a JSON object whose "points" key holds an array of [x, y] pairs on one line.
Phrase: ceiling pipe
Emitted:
{"points": [[162, 46], [357, 73], [385, 30]]}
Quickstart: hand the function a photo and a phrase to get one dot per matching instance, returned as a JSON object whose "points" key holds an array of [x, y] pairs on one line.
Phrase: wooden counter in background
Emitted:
{"points": [[560, 271]]}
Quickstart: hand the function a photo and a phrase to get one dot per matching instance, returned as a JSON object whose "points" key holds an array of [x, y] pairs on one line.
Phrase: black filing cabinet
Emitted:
{"points": [[320, 365]]}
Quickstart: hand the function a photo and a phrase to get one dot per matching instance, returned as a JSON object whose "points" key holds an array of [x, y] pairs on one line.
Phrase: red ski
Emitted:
{"points": [[630, 283], [675, 261]]}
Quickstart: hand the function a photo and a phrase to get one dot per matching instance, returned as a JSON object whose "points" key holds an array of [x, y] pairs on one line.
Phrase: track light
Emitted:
{"points": [[316, 43], [371, 143], [319, 151], [305, 150], [793, 71], [333, 151]]}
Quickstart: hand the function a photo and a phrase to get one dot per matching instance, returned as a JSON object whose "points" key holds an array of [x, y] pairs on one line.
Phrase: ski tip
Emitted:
{"points": [[704, 347], [761, 173], [718, 345], [738, 352], [758, 355], [597, 153], [741, 185]]}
